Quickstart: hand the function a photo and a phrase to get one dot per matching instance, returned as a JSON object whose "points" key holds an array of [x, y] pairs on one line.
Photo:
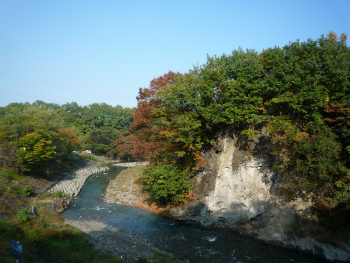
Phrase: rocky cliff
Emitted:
{"points": [[238, 188]]}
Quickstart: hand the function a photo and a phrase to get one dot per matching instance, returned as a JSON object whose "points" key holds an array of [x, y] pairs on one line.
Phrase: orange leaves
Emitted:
{"points": [[276, 138], [169, 134], [200, 163], [301, 136], [192, 196], [70, 139]]}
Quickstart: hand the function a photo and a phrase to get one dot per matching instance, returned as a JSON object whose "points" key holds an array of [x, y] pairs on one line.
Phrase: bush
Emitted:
{"points": [[22, 215], [26, 191], [59, 194], [166, 183]]}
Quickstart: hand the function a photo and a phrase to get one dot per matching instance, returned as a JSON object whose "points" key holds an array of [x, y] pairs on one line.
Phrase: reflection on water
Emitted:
{"points": [[190, 242]]}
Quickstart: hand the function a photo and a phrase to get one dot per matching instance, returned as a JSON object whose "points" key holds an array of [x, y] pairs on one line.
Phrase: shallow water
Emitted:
{"points": [[190, 242]]}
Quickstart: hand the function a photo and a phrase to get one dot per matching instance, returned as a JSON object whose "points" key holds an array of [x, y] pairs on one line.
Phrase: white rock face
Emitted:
{"points": [[238, 186], [240, 192]]}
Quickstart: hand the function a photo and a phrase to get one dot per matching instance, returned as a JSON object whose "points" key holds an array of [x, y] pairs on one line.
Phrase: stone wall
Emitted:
{"points": [[72, 184]]}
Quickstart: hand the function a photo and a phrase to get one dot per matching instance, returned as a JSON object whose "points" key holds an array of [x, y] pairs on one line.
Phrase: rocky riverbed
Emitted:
{"points": [[116, 241], [126, 190]]}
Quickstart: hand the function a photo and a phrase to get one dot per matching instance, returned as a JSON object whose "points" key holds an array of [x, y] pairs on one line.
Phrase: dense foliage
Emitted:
{"points": [[166, 183], [301, 92], [33, 137]]}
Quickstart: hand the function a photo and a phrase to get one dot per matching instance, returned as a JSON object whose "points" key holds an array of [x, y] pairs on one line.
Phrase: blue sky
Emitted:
{"points": [[103, 51]]}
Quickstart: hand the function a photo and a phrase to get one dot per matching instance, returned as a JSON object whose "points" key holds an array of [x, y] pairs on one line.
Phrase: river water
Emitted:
{"points": [[189, 242]]}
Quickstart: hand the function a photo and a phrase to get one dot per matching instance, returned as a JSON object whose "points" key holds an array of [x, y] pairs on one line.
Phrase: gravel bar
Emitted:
{"points": [[117, 241]]}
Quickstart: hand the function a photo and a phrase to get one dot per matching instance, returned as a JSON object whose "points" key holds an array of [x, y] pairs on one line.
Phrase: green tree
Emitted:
{"points": [[167, 183], [307, 98], [35, 151]]}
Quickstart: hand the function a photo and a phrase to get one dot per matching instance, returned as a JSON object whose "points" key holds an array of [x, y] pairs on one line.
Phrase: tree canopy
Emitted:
{"points": [[35, 136], [301, 92]]}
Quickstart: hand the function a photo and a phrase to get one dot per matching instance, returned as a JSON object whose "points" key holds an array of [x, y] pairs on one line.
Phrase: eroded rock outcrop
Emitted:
{"points": [[238, 186]]}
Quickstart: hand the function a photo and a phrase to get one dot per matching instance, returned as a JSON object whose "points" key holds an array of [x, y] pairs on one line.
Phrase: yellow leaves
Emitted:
{"points": [[168, 134], [2, 134], [250, 132], [301, 136], [339, 184], [276, 138]]}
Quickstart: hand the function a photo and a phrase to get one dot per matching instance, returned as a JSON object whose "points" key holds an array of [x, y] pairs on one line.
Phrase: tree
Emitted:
{"points": [[35, 151], [122, 147], [301, 91], [224, 91], [67, 143], [167, 183], [99, 141], [307, 100], [146, 145]]}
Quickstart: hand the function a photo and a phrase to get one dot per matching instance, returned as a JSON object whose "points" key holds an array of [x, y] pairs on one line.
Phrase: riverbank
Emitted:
{"points": [[131, 164], [126, 190], [44, 236], [72, 183], [104, 239], [116, 241]]}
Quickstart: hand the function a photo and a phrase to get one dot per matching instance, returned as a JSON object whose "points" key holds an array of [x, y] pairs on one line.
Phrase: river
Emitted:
{"points": [[189, 242]]}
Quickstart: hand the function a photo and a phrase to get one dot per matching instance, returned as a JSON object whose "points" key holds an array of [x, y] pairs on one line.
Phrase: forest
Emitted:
{"points": [[35, 137], [299, 92]]}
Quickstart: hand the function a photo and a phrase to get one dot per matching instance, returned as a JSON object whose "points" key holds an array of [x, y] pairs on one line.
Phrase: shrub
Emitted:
{"points": [[26, 191], [22, 215], [58, 194], [166, 183]]}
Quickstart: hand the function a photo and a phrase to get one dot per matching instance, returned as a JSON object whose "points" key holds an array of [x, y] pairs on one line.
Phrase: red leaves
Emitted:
{"points": [[337, 114], [142, 127]]}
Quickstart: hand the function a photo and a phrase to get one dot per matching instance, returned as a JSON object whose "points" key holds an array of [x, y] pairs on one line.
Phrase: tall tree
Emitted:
{"points": [[35, 151], [146, 145]]}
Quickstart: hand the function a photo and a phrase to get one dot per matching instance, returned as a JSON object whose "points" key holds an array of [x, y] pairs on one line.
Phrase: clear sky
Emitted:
{"points": [[102, 51]]}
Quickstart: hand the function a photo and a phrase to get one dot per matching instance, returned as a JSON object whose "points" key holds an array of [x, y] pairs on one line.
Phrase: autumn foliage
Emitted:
{"points": [[301, 92], [146, 141]]}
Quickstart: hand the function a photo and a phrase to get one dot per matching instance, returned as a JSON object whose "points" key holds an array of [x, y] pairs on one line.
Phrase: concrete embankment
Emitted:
{"points": [[72, 184]]}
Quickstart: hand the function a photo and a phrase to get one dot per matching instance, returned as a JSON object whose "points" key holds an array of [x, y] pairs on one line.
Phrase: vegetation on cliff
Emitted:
{"points": [[301, 92]]}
